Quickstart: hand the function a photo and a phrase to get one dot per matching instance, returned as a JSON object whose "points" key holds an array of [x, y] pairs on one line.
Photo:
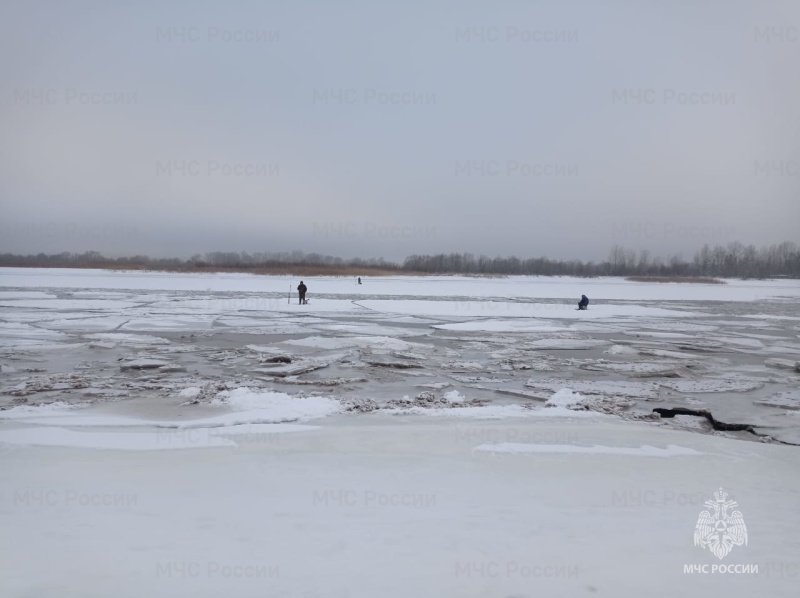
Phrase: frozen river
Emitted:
{"points": [[204, 435], [167, 345]]}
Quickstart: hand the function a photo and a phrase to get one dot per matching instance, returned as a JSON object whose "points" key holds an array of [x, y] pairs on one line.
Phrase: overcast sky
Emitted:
{"points": [[379, 129]]}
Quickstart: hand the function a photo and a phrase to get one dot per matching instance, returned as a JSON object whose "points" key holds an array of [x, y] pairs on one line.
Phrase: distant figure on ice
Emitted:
{"points": [[301, 290], [584, 302], [359, 280]]}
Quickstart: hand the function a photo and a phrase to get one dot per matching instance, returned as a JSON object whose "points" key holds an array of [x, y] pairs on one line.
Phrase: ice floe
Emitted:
{"points": [[622, 388], [731, 384], [789, 399]]}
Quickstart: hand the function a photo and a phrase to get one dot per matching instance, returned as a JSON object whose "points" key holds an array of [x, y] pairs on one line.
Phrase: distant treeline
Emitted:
{"points": [[295, 262], [734, 260], [730, 261]]}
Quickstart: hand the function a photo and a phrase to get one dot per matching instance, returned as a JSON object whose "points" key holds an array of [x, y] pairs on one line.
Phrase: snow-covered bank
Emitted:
{"points": [[397, 506]]}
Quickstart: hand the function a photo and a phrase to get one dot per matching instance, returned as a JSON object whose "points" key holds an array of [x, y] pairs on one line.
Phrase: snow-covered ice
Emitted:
{"points": [[564, 398]]}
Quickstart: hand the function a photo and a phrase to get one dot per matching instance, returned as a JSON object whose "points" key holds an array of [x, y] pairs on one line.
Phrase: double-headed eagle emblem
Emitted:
{"points": [[718, 530]]}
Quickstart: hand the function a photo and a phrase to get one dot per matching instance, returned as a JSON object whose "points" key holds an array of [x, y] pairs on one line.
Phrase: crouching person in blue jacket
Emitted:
{"points": [[584, 303]]}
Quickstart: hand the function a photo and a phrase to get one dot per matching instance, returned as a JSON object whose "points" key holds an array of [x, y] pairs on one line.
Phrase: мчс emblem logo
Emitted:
{"points": [[717, 529]]}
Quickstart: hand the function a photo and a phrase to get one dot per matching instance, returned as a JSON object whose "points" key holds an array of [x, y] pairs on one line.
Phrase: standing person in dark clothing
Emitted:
{"points": [[584, 303], [301, 291]]}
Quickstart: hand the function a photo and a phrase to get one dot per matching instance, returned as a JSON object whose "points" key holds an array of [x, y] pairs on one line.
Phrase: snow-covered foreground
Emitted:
{"points": [[399, 506], [199, 435]]}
